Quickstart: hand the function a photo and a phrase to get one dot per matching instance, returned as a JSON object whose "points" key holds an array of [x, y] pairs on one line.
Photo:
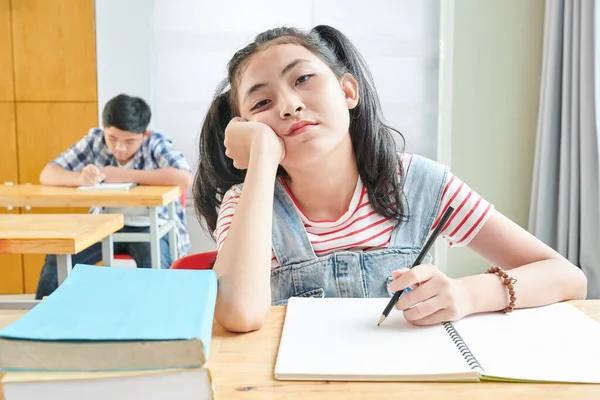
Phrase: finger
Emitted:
{"points": [[418, 295], [238, 119], [442, 315], [424, 310], [419, 274], [399, 272]]}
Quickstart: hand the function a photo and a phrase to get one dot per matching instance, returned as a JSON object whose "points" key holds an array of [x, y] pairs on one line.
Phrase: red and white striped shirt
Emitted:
{"points": [[361, 228]]}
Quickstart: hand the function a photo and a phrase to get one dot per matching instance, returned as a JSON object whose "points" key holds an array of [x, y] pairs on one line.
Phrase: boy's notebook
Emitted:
{"points": [[338, 339], [180, 384], [103, 319], [108, 186]]}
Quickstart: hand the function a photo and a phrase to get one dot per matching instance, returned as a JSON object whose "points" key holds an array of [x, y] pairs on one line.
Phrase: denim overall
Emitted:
{"points": [[353, 273]]}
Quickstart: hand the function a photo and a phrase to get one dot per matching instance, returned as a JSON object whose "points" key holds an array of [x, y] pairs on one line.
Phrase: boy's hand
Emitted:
{"points": [[434, 297], [90, 175], [117, 175]]}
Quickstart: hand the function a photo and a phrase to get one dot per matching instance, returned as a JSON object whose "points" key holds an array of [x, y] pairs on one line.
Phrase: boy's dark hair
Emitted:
{"points": [[127, 113], [373, 141]]}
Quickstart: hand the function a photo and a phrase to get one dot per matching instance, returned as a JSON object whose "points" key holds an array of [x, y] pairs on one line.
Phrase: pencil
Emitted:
{"points": [[418, 261]]}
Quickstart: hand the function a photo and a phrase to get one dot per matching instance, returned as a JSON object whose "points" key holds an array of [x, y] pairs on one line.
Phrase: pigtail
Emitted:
{"points": [[216, 173], [376, 152]]}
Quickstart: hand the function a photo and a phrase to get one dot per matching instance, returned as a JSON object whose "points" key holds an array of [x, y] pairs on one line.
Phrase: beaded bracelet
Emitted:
{"points": [[509, 282]]}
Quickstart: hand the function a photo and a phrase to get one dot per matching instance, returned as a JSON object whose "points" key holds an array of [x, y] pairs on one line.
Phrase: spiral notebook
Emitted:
{"points": [[338, 339]]}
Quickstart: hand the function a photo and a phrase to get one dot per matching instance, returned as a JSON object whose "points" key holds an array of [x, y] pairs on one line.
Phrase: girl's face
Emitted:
{"points": [[288, 88]]}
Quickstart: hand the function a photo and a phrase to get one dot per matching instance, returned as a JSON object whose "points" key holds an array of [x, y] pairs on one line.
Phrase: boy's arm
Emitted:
{"points": [[65, 170], [53, 175], [173, 169]]}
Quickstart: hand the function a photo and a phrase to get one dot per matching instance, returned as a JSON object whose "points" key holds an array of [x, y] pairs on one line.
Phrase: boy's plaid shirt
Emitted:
{"points": [[157, 151]]}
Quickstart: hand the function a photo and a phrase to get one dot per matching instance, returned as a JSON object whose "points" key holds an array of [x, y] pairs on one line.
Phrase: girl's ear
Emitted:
{"points": [[350, 88]]}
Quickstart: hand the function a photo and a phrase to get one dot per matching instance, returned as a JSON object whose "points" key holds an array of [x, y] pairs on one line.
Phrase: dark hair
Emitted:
{"points": [[127, 113], [373, 141]]}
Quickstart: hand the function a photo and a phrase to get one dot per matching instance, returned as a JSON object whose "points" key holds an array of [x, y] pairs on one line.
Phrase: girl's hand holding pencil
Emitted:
{"points": [[435, 297]]}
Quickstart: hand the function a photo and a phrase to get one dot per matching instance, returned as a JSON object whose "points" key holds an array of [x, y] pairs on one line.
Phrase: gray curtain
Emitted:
{"points": [[565, 195]]}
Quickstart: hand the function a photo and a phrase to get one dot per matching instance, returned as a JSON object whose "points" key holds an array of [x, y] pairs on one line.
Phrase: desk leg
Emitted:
{"points": [[64, 266], [154, 239], [172, 232], [108, 251]]}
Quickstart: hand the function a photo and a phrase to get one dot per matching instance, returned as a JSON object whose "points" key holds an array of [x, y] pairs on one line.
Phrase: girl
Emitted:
{"points": [[308, 193]]}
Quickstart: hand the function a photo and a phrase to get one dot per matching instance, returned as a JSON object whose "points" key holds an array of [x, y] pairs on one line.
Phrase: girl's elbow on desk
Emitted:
{"points": [[239, 312], [579, 284], [568, 279], [239, 318]]}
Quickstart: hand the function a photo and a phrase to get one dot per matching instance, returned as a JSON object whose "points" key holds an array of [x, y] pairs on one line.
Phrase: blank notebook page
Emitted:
{"points": [[553, 343], [338, 338]]}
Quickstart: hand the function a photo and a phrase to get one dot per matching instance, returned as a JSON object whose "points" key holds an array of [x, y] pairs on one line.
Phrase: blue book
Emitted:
{"points": [[115, 319]]}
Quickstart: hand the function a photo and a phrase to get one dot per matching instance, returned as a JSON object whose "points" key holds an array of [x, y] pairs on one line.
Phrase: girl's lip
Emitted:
{"points": [[299, 127]]}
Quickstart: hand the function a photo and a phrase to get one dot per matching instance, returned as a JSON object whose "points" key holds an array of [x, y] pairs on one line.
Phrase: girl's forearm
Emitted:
{"points": [[539, 283], [244, 262]]}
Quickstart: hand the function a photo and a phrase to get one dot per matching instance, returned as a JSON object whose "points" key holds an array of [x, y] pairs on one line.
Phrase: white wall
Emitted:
{"points": [[497, 67], [124, 50], [194, 40]]}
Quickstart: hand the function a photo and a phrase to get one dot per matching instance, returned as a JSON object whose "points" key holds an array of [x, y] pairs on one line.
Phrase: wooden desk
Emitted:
{"points": [[152, 197], [242, 367], [60, 234]]}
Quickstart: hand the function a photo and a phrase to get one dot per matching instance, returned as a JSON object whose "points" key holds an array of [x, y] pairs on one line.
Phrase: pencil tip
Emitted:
{"points": [[381, 319]]}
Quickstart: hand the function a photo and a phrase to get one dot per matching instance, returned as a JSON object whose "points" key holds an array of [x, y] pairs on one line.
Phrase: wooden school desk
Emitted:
{"points": [[60, 234], [152, 197], [242, 368]]}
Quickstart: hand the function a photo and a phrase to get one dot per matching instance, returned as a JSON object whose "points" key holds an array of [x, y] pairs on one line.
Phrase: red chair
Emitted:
{"points": [[196, 261], [125, 256]]}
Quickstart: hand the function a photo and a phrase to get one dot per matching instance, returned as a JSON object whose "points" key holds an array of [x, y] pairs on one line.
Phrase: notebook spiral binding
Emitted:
{"points": [[462, 346]]}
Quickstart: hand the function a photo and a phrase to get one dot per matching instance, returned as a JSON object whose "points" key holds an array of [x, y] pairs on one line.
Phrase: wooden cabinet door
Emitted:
{"points": [[45, 131], [48, 129], [54, 50], [11, 265], [6, 62]]}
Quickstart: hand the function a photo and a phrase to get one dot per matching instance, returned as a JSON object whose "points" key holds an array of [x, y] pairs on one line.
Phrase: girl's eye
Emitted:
{"points": [[260, 104], [303, 78]]}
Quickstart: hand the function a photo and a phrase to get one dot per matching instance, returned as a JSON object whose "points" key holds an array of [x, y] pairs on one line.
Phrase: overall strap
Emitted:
{"points": [[290, 240], [422, 195]]}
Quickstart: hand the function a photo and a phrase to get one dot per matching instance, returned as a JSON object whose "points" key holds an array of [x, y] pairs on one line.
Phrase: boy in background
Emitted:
{"points": [[123, 150]]}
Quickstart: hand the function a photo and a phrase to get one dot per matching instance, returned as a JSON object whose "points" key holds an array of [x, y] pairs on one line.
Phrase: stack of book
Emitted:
{"points": [[117, 333]]}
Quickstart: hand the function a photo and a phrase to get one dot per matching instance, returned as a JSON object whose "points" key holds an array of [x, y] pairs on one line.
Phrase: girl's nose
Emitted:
{"points": [[291, 107]]}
